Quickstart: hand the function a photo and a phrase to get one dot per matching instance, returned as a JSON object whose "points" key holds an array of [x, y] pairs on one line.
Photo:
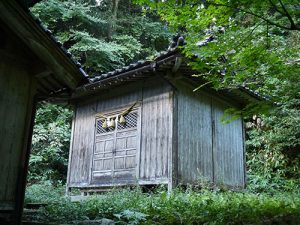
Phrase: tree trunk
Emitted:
{"points": [[113, 21]]}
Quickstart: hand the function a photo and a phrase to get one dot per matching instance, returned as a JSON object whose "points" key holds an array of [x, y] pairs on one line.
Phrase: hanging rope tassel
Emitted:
{"points": [[126, 111], [122, 120], [112, 123], [104, 124]]}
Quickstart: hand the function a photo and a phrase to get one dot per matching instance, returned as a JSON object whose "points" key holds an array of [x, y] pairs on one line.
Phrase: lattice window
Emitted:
{"points": [[100, 129], [131, 121]]}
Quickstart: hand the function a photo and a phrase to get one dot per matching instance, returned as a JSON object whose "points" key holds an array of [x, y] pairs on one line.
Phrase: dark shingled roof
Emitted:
{"points": [[60, 45], [26, 4], [159, 65], [134, 70], [138, 70], [144, 64]]}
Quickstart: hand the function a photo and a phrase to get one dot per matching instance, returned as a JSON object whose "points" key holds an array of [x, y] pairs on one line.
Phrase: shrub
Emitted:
{"points": [[179, 207]]}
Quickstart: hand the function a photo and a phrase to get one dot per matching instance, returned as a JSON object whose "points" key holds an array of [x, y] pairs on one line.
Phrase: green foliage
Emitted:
{"points": [[269, 153], [96, 38], [256, 44], [85, 29], [50, 144], [131, 217], [270, 183], [273, 158], [44, 193], [179, 207]]}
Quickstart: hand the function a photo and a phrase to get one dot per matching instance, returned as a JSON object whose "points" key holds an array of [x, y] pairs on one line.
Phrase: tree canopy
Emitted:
{"points": [[103, 35], [254, 44]]}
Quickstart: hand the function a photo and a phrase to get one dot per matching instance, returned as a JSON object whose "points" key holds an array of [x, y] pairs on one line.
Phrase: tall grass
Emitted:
{"points": [[179, 207]]}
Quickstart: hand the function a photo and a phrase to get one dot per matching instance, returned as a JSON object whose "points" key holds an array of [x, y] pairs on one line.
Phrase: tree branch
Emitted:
{"points": [[275, 7], [261, 17], [250, 33], [286, 13]]}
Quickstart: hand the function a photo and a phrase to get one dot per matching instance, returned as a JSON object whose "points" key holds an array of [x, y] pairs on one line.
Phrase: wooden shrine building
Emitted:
{"points": [[143, 124], [33, 67]]}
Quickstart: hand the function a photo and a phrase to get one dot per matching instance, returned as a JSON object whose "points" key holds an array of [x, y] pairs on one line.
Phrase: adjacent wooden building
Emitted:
{"points": [[33, 67], [143, 124]]}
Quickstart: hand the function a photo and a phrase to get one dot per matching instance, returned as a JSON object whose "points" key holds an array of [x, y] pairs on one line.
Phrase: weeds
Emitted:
{"points": [[180, 207]]}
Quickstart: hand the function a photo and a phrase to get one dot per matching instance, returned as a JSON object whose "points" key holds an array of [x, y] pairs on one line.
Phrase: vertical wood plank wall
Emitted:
{"points": [[156, 131], [15, 111], [82, 143], [228, 148], [122, 97], [155, 99], [207, 148], [195, 159]]}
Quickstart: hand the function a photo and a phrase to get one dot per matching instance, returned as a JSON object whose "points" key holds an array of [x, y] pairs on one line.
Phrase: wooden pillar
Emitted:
{"points": [[17, 107], [173, 156]]}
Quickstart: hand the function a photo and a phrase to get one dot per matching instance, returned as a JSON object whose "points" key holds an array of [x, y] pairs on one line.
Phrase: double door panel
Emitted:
{"points": [[115, 150]]}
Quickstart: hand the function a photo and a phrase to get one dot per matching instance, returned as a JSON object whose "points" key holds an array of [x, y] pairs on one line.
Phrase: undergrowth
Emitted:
{"points": [[159, 207]]}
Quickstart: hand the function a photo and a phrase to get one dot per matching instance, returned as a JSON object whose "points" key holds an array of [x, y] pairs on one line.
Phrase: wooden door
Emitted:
{"points": [[115, 150]]}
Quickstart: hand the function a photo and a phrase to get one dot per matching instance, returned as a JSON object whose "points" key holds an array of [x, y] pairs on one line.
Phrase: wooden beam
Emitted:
{"points": [[173, 155], [24, 161], [43, 74]]}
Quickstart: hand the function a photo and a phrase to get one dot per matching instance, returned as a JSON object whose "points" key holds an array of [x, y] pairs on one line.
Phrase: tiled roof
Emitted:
{"points": [[143, 64], [60, 45], [26, 4], [173, 49], [145, 68], [133, 70]]}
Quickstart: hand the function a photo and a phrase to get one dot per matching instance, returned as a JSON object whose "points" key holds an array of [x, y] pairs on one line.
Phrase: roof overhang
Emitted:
{"points": [[171, 66], [61, 71]]}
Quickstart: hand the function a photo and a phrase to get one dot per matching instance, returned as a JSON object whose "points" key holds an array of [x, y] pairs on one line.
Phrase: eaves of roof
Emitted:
{"points": [[133, 72], [26, 4], [65, 73], [60, 46], [164, 61]]}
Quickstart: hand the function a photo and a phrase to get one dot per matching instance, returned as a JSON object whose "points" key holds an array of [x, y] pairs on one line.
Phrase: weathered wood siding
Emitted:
{"points": [[228, 150], [16, 102], [195, 159], [82, 144], [201, 147], [154, 137], [83, 137], [208, 148], [156, 131]]}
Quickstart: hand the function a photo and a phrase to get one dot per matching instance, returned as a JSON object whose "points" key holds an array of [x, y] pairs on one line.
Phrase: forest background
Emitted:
{"points": [[252, 43], [255, 45]]}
